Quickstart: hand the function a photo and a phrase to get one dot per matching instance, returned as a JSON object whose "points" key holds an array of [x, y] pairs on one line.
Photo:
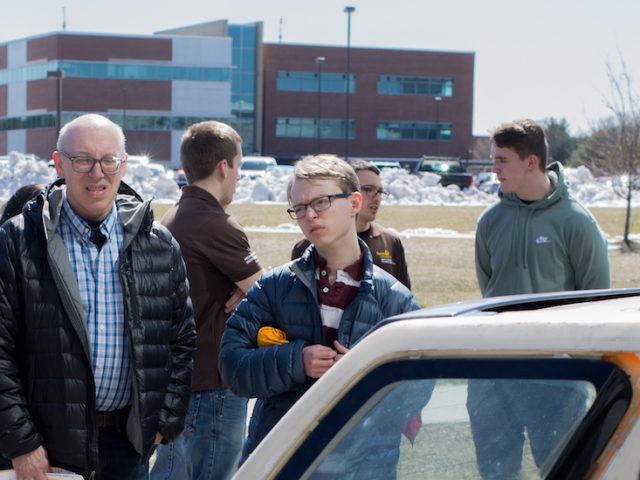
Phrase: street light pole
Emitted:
{"points": [[438, 100], [319, 61], [58, 75], [348, 11], [124, 109]]}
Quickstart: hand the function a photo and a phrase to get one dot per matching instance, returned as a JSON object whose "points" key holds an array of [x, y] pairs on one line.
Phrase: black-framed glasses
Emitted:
{"points": [[372, 191], [109, 164], [318, 205]]}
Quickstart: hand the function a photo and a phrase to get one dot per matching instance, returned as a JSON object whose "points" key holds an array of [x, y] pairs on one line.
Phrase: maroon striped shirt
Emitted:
{"points": [[334, 298]]}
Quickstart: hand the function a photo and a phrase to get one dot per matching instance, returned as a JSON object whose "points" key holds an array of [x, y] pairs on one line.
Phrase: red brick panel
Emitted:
{"points": [[99, 95], [41, 94], [41, 141], [98, 48]]}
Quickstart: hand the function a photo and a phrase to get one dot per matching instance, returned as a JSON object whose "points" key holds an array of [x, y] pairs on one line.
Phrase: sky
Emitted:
{"points": [[539, 59]]}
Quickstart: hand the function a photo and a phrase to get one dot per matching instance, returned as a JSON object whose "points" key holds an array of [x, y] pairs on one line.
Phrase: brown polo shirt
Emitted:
{"points": [[217, 254], [386, 248]]}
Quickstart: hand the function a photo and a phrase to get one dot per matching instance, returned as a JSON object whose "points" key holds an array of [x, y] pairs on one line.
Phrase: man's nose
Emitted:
{"points": [[310, 213], [96, 170]]}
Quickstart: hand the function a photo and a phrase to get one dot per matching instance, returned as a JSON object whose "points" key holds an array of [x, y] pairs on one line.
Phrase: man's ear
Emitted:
{"points": [[356, 202], [223, 168], [533, 162], [57, 162], [123, 165]]}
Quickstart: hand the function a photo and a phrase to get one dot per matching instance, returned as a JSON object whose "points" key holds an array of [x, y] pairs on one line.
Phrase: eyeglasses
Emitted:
{"points": [[84, 164], [318, 205], [372, 191]]}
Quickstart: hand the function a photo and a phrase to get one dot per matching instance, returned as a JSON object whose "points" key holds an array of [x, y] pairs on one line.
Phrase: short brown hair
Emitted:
{"points": [[325, 167], [205, 144], [360, 165], [525, 137]]}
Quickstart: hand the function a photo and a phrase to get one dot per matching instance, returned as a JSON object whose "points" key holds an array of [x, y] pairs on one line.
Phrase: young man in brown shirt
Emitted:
{"points": [[221, 267], [386, 248]]}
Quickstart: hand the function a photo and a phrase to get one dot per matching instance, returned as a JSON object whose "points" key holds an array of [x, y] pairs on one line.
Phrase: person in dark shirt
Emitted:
{"points": [[221, 267]]}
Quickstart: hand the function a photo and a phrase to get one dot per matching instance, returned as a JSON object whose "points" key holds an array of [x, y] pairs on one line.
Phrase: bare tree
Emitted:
{"points": [[614, 144]]}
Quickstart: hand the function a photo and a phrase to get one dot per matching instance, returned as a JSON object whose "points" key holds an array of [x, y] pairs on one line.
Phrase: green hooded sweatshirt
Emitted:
{"points": [[552, 244]]}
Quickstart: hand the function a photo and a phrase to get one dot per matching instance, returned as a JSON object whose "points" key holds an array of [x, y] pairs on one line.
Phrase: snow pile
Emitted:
{"points": [[19, 170], [408, 189], [405, 189]]}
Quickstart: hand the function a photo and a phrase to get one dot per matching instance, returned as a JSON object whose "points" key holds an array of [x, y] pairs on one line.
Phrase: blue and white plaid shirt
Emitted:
{"points": [[96, 271]]}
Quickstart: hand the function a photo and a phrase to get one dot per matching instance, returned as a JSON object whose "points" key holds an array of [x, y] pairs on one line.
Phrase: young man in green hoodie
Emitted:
{"points": [[536, 238]]}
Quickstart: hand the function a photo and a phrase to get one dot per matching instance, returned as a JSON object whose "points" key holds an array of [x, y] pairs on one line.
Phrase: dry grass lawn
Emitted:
{"points": [[441, 269]]}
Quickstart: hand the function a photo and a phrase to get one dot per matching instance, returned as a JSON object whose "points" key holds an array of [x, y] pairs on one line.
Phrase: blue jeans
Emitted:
{"points": [[500, 412], [210, 446]]}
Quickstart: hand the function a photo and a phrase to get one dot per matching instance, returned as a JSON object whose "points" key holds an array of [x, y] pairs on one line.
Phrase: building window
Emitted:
{"points": [[308, 82], [397, 85], [414, 131], [116, 71], [243, 81], [134, 122], [307, 128], [46, 120]]}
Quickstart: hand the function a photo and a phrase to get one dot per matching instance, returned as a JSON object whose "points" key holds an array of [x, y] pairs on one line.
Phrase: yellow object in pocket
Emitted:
{"points": [[268, 336]]}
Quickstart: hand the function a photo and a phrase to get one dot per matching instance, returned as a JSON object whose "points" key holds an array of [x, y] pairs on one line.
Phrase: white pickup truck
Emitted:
{"points": [[584, 342]]}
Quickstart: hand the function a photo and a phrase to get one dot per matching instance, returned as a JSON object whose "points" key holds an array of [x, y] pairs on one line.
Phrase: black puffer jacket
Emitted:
{"points": [[47, 391]]}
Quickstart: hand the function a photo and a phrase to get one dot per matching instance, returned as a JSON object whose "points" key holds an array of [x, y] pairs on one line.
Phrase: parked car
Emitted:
{"points": [[487, 182], [451, 172], [180, 178], [382, 164], [255, 166], [588, 342]]}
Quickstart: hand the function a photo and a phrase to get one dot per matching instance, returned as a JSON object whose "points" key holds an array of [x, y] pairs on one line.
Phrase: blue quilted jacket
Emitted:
{"points": [[285, 298]]}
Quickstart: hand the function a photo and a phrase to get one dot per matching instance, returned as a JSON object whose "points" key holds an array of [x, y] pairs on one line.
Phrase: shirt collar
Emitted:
{"points": [[194, 191], [82, 227], [354, 270], [373, 231]]}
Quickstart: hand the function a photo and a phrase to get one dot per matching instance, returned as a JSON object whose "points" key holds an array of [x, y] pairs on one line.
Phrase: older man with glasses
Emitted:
{"points": [[299, 319], [385, 245], [96, 327]]}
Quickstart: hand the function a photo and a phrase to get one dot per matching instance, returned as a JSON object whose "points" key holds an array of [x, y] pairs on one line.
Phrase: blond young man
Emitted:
{"points": [[321, 303], [385, 245]]}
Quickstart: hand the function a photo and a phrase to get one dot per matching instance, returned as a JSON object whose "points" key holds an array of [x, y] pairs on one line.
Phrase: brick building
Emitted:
{"points": [[285, 100], [403, 103], [153, 86]]}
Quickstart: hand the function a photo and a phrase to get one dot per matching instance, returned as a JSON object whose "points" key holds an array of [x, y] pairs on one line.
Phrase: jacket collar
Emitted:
{"points": [[305, 267], [134, 213]]}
